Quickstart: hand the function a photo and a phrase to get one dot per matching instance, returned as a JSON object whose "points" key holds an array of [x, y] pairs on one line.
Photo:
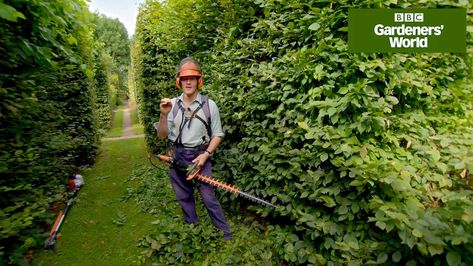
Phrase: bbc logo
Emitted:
{"points": [[408, 17]]}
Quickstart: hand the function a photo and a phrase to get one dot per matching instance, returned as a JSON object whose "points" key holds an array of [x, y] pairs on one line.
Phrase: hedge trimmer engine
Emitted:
{"points": [[194, 173], [75, 182]]}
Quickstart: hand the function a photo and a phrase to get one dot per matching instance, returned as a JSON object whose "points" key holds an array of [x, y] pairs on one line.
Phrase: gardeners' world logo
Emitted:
{"points": [[407, 30], [401, 36]]}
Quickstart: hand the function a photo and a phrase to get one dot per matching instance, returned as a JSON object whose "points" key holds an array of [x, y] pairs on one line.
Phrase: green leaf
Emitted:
{"points": [[397, 256], [343, 90], [444, 143], [324, 157], [435, 155], [71, 40], [393, 100], [351, 241], [9, 13], [381, 224], [382, 258], [314, 26], [417, 233], [303, 125], [331, 111], [251, 11], [422, 248], [453, 258], [329, 202], [435, 249], [343, 209], [357, 183], [460, 165], [363, 152], [442, 167]]}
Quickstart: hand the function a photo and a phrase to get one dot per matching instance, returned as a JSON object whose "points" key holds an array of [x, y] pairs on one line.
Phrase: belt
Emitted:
{"points": [[200, 147]]}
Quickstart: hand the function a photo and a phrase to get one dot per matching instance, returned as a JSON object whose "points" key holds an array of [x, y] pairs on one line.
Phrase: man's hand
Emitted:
{"points": [[165, 106], [201, 159]]}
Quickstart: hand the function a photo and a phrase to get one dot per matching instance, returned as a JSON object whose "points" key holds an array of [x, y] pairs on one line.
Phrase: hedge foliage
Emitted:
{"points": [[368, 155], [47, 121]]}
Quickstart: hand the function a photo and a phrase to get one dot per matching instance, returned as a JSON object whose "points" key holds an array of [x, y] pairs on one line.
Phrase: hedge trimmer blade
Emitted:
{"points": [[255, 199], [229, 188]]}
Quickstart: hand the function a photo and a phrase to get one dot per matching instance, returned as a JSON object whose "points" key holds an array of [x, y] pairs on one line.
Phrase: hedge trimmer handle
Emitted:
{"points": [[165, 158], [193, 171]]}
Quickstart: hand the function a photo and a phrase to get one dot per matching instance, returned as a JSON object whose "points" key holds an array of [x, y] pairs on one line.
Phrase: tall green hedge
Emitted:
{"points": [[103, 91], [47, 121], [112, 57], [368, 155]]}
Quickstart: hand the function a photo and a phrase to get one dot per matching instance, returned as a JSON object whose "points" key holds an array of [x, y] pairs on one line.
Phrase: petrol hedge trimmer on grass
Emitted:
{"points": [[75, 183], [193, 172]]}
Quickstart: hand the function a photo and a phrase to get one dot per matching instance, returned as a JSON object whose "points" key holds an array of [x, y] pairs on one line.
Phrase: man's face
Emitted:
{"points": [[189, 85]]}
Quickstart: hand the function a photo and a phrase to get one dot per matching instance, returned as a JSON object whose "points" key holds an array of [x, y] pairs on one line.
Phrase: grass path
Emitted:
{"points": [[101, 228], [117, 125], [125, 125]]}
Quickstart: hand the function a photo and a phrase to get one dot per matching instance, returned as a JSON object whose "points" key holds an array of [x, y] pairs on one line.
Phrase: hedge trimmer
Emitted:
{"points": [[75, 183], [194, 173]]}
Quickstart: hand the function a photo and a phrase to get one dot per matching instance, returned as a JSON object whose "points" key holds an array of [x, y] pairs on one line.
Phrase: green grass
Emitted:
{"points": [[137, 127], [117, 124], [102, 228]]}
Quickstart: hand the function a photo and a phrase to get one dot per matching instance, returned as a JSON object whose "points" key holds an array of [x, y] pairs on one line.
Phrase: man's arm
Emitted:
{"points": [[214, 142], [213, 145], [162, 128], [165, 107]]}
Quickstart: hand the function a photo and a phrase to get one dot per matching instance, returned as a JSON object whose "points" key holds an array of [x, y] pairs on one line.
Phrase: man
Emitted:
{"points": [[195, 138]]}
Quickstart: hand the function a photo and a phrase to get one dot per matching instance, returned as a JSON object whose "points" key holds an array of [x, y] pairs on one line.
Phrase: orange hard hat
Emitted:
{"points": [[189, 68]]}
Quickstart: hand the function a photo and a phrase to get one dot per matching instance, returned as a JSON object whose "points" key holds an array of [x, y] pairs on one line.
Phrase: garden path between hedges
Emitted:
{"points": [[127, 131]]}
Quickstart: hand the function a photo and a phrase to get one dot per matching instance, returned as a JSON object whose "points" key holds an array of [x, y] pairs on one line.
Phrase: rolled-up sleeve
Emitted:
{"points": [[216, 123]]}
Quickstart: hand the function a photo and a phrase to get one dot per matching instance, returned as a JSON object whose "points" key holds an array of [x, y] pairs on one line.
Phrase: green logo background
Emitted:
{"points": [[362, 38]]}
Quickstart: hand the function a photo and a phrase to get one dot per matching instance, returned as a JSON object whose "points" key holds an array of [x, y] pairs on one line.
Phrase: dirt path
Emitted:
{"points": [[127, 125], [127, 132], [122, 137]]}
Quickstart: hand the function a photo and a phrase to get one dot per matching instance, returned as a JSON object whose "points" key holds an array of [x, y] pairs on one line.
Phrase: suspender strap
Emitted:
{"points": [[206, 110]]}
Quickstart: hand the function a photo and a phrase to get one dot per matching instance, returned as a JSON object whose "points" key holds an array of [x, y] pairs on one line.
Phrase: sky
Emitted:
{"points": [[124, 10]]}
